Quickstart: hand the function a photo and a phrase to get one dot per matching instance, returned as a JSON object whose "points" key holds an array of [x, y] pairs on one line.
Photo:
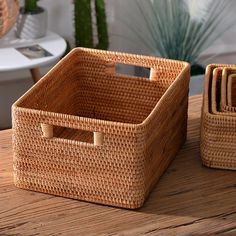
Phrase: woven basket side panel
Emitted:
{"points": [[217, 131], [110, 98], [172, 130], [229, 77], [129, 102], [58, 93], [169, 146], [217, 149], [233, 93], [216, 90], [227, 73], [111, 174], [220, 123], [113, 58]]}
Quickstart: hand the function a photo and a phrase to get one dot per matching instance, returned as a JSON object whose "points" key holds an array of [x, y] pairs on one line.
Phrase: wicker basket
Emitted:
{"points": [[9, 10], [219, 92], [86, 132], [223, 89], [218, 131], [226, 77], [231, 93], [216, 90]]}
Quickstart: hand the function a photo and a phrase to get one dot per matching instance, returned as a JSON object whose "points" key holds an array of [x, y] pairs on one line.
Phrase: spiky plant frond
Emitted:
{"points": [[178, 29]]}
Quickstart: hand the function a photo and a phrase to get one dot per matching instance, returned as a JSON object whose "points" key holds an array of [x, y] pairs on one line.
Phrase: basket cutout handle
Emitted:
{"points": [[113, 68], [83, 136]]}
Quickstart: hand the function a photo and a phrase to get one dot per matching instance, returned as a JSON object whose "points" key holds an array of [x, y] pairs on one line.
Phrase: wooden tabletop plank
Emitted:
{"points": [[188, 200]]}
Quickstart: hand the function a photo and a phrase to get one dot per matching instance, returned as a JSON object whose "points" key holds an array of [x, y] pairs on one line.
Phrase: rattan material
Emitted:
{"points": [[216, 90], [231, 87], [223, 89], [218, 131], [219, 93], [227, 91], [136, 127], [9, 10]]}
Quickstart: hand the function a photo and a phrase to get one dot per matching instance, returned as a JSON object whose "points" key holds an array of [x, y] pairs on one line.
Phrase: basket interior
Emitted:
{"points": [[80, 86], [232, 90]]}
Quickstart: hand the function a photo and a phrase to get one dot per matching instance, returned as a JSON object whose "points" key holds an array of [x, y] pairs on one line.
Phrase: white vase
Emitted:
{"points": [[31, 26]]}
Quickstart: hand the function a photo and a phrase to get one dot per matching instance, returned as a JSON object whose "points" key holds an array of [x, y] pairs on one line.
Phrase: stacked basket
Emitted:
{"points": [[218, 127]]}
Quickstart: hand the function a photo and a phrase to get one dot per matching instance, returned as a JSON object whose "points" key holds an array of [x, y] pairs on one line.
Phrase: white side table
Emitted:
{"points": [[11, 59]]}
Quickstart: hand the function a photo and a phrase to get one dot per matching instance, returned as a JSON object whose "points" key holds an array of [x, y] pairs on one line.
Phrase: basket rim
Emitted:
{"points": [[185, 69]]}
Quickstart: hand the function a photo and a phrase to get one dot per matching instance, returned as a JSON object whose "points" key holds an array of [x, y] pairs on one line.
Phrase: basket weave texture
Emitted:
{"points": [[218, 128], [86, 132], [9, 10]]}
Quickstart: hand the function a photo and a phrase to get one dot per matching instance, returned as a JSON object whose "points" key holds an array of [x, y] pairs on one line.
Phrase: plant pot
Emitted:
{"points": [[31, 25]]}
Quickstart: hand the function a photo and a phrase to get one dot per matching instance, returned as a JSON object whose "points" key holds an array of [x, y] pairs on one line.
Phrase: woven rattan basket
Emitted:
{"points": [[216, 90], [9, 10], [226, 91], [219, 92], [86, 132], [231, 91], [224, 88], [218, 131]]}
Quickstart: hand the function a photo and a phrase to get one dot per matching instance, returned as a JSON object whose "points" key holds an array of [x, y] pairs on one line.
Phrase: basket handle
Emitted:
{"points": [[111, 70], [47, 130]]}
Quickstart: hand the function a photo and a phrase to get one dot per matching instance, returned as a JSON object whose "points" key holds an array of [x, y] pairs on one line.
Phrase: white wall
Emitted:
{"points": [[125, 14], [60, 17]]}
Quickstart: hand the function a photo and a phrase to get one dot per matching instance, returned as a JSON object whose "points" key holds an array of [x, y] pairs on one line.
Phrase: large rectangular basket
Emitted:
{"points": [[86, 132], [218, 130]]}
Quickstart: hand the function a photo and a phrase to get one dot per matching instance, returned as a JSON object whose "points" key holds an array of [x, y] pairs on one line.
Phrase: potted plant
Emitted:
{"points": [[32, 21], [178, 29], [84, 30]]}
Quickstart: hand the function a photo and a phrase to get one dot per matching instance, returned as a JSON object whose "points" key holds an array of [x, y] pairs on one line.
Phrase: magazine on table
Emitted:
{"points": [[34, 52]]}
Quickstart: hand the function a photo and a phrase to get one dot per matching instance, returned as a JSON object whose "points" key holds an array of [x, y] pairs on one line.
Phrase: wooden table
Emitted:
{"points": [[188, 200]]}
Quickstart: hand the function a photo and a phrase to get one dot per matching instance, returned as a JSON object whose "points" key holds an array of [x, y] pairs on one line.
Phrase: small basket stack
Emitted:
{"points": [[85, 131], [218, 124]]}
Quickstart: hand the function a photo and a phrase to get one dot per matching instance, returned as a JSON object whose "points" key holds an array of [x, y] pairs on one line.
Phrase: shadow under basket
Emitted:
{"points": [[86, 132]]}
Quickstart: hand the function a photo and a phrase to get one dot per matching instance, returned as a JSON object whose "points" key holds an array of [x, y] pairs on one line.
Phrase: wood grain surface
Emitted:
{"points": [[188, 200]]}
